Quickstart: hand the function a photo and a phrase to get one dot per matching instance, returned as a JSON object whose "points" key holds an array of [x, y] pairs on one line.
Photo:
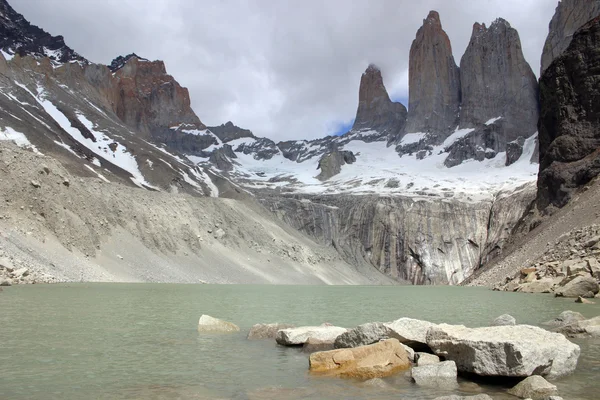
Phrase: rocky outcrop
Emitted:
{"points": [[569, 138], [331, 164], [496, 81], [228, 132], [434, 80], [208, 324], [375, 109], [18, 36], [377, 360], [301, 335], [570, 15], [509, 351]]}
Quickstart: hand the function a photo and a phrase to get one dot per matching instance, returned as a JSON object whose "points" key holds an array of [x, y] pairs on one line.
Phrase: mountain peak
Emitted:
{"points": [[18, 36], [433, 18], [120, 61]]}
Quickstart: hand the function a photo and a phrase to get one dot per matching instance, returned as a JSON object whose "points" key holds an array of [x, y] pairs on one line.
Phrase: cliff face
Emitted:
{"points": [[419, 241], [570, 15], [375, 109], [434, 80], [496, 81], [569, 138]]}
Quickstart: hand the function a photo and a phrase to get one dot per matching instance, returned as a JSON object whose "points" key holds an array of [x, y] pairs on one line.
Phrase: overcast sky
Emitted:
{"points": [[284, 69]]}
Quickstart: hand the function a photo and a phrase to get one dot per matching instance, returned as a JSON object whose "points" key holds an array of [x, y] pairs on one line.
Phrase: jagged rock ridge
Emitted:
{"points": [[570, 15], [570, 115], [18, 36], [434, 81]]}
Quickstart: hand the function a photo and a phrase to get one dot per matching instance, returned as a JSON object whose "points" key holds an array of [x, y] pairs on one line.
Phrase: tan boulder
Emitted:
{"points": [[208, 324], [377, 360], [527, 271]]}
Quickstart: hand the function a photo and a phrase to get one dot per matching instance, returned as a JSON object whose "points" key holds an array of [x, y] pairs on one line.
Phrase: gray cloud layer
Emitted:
{"points": [[284, 69]]}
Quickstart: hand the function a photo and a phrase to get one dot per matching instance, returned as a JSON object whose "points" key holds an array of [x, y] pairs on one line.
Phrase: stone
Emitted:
{"points": [[583, 300], [504, 320], [410, 351], [508, 351], [363, 335], [375, 109], [412, 332], [496, 81], [581, 329], [568, 138], [378, 360], [457, 397], [442, 374], [5, 282], [208, 324], [6, 264], [434, 81], [534, 387], [36, 184], [219, 233], [580, 267], [21, 272], [312, 345], [566, 318], [299, 336], [266, 331], [425, 359], [527, 271], [579, 286], [570, 15]]}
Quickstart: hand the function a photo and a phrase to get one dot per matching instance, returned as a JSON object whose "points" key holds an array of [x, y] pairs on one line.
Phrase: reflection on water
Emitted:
{"points": [[139, 341]]}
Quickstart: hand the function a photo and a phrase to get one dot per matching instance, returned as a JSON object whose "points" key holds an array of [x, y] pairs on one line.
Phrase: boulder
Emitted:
{"points": [[442, 374], [377, 360], [412, 332], [266, 331], [21, 272], [504, 320], [509, 351], [584, 300], [566, 318], [457, 397], [5, 282], [410, 351], [579, 286], [313, 345], [534, 387], [208, 324], [580, 268], [582, 328], [543, 285], [425, 359], [299, 336], [364, 334]]}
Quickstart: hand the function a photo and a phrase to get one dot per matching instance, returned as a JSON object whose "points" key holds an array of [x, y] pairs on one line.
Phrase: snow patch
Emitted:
{"points": [[491, 121], [456, 135], [6, 55], [18, 138], [410, 138]]}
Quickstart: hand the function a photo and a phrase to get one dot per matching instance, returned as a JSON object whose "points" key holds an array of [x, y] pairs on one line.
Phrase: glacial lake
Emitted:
{"points": [[139, 341]]}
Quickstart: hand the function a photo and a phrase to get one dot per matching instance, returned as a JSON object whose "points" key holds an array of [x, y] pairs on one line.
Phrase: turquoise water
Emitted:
{"points": [[139, 341]]}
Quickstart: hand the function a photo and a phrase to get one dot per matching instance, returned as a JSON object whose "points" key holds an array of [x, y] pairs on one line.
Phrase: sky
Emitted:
{"points": [[283, 69]]}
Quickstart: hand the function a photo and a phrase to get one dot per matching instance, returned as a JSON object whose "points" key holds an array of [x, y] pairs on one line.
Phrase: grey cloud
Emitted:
{"points": [[284, 69]]}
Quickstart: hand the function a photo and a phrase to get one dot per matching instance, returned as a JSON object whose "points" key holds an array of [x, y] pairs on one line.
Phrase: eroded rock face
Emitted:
{"points": [[377, 360], [331, 164], [510, 351], [228, 132], [434, 80], [375, 109], [569, 138], [496, 81], [570, 15]]}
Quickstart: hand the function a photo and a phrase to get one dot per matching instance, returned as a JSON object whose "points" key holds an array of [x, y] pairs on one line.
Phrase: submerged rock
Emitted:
{"points": [[534, 387], [208, 324], [510, 351], [377, 360], [442, 374], [301, 335], [266, 331]]}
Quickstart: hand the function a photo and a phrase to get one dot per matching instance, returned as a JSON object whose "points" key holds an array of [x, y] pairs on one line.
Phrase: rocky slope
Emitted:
{"points": [[570, 15], [570, 115], [434, 80]]}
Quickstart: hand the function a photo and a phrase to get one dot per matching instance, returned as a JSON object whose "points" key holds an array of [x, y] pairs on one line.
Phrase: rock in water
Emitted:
{"points": [[377, 360], [534, 387], [568, 128], [412, 332], [504, 320], [566, 318], [208, 324], [570, 15], [266, 331], [582, 328], [434, 80], [496, 81], [364, 335], [510, 351], [299, 336], [579, 286], [375, 109], [442, 374]]}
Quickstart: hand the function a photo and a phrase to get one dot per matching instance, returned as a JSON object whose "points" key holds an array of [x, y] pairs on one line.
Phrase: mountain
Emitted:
{"points": [[570, 15], [18, 36], [434, 81]]}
